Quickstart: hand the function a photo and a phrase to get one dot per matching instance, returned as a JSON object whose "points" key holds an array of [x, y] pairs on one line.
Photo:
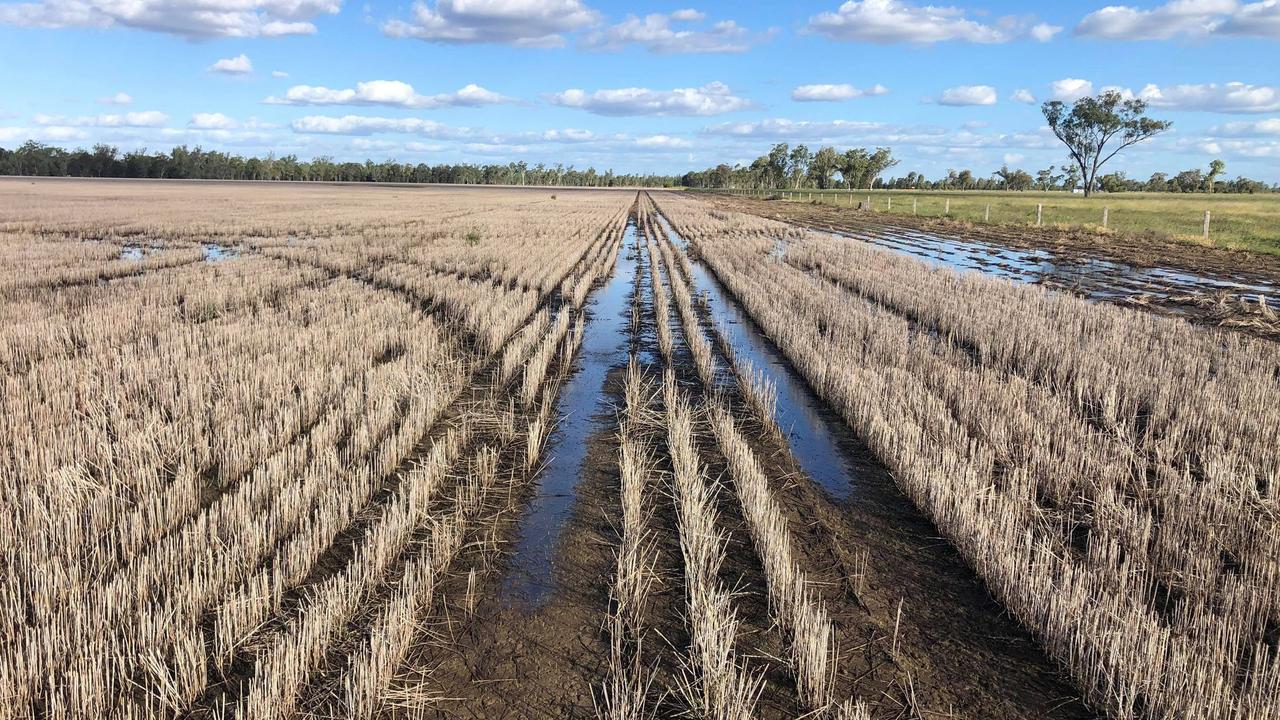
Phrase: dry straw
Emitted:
{"points": [[1111, 474]]}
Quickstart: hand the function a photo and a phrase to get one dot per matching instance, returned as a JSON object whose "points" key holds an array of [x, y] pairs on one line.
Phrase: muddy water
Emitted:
{"points": [[1095, 278], [813, 430], [583, 410]]}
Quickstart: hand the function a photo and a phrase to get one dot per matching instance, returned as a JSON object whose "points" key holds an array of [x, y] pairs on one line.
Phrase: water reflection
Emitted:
{"points": [[583, 411], [813, 430]]}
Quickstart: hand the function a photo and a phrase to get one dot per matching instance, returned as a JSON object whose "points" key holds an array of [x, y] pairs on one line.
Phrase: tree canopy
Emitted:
{"points": [[1096, 129]]}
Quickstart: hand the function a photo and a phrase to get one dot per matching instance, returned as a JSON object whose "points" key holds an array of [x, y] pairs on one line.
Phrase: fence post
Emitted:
{"points": [[988, 216], [913, 206], [869, 207], [946, 209], [1206, 224], [1039, 214], [1106, 216], [890, 203]]}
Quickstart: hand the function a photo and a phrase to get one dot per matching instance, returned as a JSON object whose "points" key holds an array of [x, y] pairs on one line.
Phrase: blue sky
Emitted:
{"points": [[662, 87]]}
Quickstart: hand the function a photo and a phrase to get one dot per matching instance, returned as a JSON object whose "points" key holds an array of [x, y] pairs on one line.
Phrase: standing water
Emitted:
{"points": [[217, 253], [1096, 278], [583, 411], [813, 430]]}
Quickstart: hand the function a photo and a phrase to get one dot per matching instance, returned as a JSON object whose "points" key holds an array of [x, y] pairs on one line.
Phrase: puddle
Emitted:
{"points": [[644, 341], [813, 430], [1097, 279], [218, 253], [583, 410], [132, 252]]}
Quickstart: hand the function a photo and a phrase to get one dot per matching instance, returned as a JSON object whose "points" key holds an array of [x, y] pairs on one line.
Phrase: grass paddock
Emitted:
{"points": [[1246, 222]]}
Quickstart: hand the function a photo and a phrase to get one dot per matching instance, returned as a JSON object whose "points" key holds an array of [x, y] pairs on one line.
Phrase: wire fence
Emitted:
{"points": [[1175, 215]]}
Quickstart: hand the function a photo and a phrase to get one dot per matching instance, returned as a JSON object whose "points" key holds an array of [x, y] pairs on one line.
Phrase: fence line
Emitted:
{"points": [[850, 199]]}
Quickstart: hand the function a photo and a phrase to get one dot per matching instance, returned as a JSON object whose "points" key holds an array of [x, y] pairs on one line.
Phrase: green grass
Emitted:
{"points": [[1249, 222]]}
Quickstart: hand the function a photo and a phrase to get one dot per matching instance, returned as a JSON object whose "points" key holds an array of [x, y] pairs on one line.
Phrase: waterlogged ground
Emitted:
{"points": [[1207, 285], [1094, 278], [813, 431], [537, 645], [583, 410]]}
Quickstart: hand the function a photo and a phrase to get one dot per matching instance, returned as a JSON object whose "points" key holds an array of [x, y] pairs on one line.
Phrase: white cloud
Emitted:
{"points": [[1023, 96], [1250, 149], [1013, 158], [117, 99], [1070, 89], [525, 23], [1259, 19], [968, 95], [785, 128], [655, 33], [1234, 97], [895, 21], [148, 118], [569, 135], [238, 65], [834, 93], [1248, 129], [279, 74], [663, 141], [711, 99], [1184, 18], [1044, 32], [386, 92], [51, 133], [189, 19], [212, 121], [366, 125]]}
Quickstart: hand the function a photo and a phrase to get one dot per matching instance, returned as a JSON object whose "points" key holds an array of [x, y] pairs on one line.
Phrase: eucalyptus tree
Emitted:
{"points": [[1096, 129]]}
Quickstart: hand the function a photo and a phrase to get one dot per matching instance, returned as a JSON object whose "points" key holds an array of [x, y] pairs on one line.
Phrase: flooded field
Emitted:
{"points": [[583, 410], [813, 431], [1209, 286], [458, 452], [1094, 278]]}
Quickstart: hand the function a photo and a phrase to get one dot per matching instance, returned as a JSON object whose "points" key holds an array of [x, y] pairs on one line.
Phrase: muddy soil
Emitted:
{"points": [[1210, 286], [919, 636], [956, 652], [514, 657]]}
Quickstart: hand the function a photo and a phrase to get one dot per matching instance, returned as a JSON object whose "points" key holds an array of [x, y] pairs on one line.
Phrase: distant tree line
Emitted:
{"points": [[33, 158], [787, 168], [1068, 178], [798, 167], [783, 167]]}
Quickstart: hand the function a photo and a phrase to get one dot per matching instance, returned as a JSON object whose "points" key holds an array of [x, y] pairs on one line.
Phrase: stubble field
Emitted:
{"points": [[336, 452]]}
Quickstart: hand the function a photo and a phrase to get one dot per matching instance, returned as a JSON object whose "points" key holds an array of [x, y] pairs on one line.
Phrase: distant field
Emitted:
{"points": [[1250, 222]]}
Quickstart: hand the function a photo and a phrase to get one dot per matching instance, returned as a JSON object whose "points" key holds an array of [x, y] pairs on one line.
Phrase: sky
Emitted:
{"points": [[659, 87]]}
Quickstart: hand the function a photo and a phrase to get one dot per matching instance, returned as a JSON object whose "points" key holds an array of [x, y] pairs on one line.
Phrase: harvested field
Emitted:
{"points": [[349, 452]]}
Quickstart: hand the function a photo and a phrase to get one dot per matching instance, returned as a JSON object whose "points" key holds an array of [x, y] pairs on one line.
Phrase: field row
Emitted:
{"points": [[1119, 497]]}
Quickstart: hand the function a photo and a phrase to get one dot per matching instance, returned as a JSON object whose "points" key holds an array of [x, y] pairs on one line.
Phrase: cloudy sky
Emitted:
{"points": [[658, 86]]}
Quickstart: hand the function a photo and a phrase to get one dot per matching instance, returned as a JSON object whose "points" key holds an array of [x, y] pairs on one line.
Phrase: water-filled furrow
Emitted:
{"points": [[582, 410], [813, 430]]}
